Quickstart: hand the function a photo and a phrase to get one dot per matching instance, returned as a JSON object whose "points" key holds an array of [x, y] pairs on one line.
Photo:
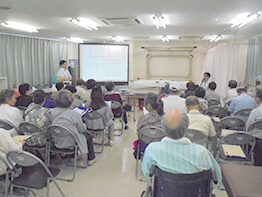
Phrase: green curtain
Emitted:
{"points": [[254, 60], [30, 60]]}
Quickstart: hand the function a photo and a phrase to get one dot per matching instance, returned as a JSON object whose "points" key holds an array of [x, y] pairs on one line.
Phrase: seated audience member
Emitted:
{"points": [[7, 144], [68, 118], [182, 156], [197, 120], [84, 96], [111, 95], [98, 104], [164, 90], [76, 102], [231, 93], [256, 114], [200, 94], [50, 102], [39, 116], [90, 84], [63, 74], [154, 105], [210, 93], [243, 100], [191, 88], [8, 112], [25, 99], [174, 101], [205, 81]]}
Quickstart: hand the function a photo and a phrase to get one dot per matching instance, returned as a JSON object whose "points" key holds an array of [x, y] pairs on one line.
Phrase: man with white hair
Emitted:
{"points": [[175, 153]]}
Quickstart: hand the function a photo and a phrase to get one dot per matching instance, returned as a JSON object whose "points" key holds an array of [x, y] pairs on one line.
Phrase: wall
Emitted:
{"points": [[140, 60]]}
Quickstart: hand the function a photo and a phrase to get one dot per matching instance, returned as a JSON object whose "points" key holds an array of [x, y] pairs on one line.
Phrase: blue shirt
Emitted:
{"points": [[179, 156], [240, 102], [256, 114]]}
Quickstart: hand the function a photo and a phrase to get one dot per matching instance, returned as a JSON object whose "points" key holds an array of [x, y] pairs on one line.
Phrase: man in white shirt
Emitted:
{"points": [[63, 73], [174, 101], [231, 93], [197, 120], [205, 81]]}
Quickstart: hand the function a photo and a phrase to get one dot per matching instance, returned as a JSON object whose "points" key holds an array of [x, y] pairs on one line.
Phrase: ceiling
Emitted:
{"points": [[186, 18]]}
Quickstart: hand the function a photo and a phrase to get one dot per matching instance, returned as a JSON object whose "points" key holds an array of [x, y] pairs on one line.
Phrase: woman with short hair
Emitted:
{"points": [[8, 112], [68, 118]]}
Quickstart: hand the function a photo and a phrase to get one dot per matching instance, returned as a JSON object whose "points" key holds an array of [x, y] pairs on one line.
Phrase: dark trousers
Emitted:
{"points": [[90, 146], [258, 153]]}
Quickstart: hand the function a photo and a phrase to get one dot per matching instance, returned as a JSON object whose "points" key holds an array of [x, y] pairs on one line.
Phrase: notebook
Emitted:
{"points": [[18, 138], [233, 151], [226, 132], [81, 110]]}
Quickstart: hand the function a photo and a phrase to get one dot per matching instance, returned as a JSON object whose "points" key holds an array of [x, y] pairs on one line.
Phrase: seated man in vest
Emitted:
{"points": [[39, 116], [231, 93], [197, 120], [180, 155]]}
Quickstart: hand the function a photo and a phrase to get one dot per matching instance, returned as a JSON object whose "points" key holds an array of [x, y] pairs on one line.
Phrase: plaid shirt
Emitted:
{"points": [[41, 117]]}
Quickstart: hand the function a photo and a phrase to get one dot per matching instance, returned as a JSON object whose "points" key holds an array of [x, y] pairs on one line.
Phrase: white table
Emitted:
{"points": [[181, 85]]}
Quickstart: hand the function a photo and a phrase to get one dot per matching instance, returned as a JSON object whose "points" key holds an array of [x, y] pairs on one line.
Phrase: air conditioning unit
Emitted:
{"points": [[122, 21]]}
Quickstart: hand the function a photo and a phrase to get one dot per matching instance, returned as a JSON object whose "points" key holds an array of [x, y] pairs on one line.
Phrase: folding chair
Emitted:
{"points": [[29, 128], [255, 125], [54, 131], [146, 136], [216, 111], [242, 139], [232, 122], [166, 184], [243, 112], [5, 176], [34, 175], [101, 129], [197, 137], [116, 105], [212, 102], [8, 126]]}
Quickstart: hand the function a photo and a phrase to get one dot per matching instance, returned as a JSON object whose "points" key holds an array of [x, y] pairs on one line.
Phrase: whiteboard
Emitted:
{"points": [[169, 66], [104, 62]]}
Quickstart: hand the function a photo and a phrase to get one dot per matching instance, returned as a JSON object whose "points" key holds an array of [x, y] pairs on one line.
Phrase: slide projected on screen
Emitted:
{"points": [[104, 62]]}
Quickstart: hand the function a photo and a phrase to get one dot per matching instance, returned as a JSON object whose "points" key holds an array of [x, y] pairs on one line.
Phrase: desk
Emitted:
{"points": [[157, 84], [242, 181]]}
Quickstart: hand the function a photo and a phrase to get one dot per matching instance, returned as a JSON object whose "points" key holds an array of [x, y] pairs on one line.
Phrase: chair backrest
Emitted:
{"points": [[115, 104], [242, 139], [212, 102], [6, 125], [151, 134], [28, 127], [176, 185], [217, 111], [58, 131], [255, 125], [196, 136], [232, 122], [94, 121], [77, 96], [243, 112]]}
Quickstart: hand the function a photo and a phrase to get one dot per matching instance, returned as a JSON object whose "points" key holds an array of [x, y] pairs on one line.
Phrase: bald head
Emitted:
{"points": [[175, 123]]}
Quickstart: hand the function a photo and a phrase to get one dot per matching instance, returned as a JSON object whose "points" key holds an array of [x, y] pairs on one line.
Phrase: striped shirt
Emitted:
{"points": [[179, 156]]}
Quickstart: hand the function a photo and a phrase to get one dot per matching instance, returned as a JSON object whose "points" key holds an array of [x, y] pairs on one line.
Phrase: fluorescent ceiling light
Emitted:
{"points": [[165, 38], [19, 26], [244, 18], [215, 38], [160, 21], [85, 23], [74, 39], [118, 38]]}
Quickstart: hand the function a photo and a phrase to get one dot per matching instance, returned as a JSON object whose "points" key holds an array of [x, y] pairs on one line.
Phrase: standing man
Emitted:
{"points": [[63, 73], [205, 81]]}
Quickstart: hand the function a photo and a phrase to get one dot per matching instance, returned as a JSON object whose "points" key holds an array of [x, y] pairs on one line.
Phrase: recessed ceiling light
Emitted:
{"points": [[118, 38], [160, 21], [165, 38], [85, 23], [74, 39], [215, 38], [244, 18], [19, 26]]}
